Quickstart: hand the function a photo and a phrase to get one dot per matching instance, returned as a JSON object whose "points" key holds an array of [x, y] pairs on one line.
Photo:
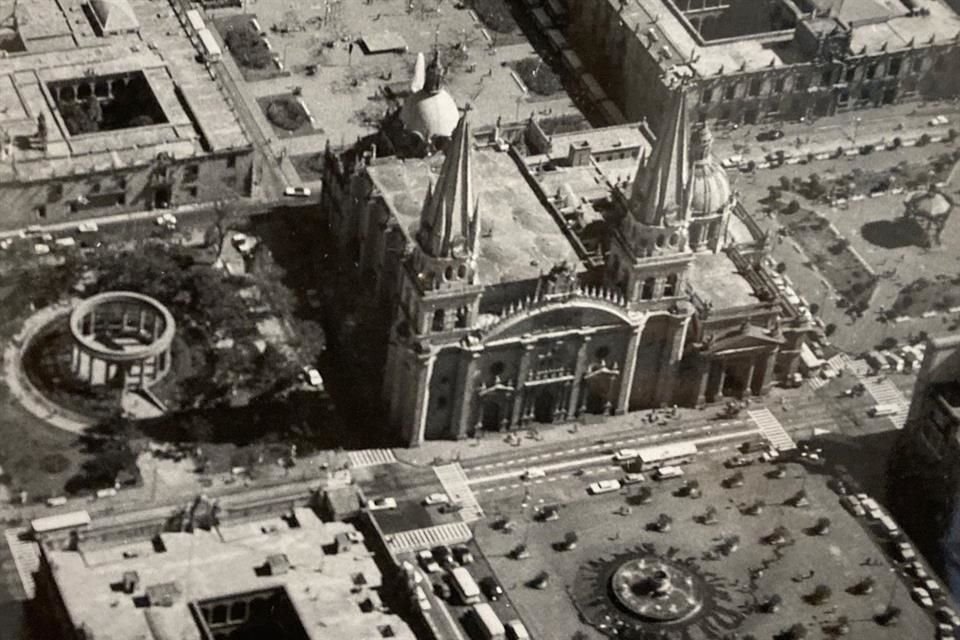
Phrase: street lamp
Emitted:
{"points": [[856, 127]]}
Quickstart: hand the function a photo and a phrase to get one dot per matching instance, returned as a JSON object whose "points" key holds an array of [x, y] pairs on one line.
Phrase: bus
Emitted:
{"points": [[195, 20], [487, 623], [668, 455], [465, 586], [211, 50]]}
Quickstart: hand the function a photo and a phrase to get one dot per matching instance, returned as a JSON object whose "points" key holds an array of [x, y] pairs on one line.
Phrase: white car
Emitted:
{"points": [[297, 192], [623, 455], [665, 473], [632, 478], [922, 596], [604, 486], [428, 562], [938, 121], [530, 474], [313, 376], [381, 504], [65, 242], [906, 552], [436, 498], [5, 243], [88, 227], [166, 220], [41, 249]]}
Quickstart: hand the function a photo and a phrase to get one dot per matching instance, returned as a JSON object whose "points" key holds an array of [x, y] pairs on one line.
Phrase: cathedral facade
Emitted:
{"points": [[505, 314]]}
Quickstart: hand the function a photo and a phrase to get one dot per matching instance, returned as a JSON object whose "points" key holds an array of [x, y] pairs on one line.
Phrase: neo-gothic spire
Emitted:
{"points": [[659, 191], [433, 74], [450, 218]]}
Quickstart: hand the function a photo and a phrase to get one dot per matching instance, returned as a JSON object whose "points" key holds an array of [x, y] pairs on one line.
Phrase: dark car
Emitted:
{"points": [[772, 134], [491, 588]]}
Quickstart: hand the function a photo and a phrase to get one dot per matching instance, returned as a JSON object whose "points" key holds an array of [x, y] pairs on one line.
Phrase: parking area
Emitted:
{"points": [[759, 531]]}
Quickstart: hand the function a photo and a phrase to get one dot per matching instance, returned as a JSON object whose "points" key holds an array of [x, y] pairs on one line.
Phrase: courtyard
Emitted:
{"points": [[722, 539]]}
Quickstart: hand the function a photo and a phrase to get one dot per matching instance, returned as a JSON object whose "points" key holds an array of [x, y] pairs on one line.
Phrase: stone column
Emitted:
{"points": [[748, 379], [705, 372], [628, 369], [718, 373], [424, 371], [464, 394], [519, 410], [669, 363], [573, 409]]}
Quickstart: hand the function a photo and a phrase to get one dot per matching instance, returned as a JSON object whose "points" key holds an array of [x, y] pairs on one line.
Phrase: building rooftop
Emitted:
{"points": [[519, 238], [874, 23], [715, 279], [251, 557], [196, 116]]}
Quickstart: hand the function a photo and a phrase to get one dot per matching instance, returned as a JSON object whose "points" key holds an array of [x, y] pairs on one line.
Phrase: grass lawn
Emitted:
{"points": [[832, 256], [247, 47], [834, 560], [286, 115], [27, 447]]}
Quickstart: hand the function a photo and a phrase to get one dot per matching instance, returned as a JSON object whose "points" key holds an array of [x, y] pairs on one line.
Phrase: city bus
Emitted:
{"points": [[487, 623], [668, 455], [211, 50], [465, 586]]}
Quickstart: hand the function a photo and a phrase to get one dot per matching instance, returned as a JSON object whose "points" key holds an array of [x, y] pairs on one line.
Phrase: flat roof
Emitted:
{"points": [[715, 279], [161, 50], [874, 22], [204, 566], [520, 239], [626, 136]]}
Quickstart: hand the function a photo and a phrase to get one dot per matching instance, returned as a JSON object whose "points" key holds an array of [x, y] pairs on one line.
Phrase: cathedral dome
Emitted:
{"points": [[428, 114], [709, 188]]}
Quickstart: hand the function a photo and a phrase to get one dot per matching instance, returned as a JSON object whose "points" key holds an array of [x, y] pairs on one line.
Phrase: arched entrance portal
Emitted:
{"points": [[543, 407], [490, 420]]}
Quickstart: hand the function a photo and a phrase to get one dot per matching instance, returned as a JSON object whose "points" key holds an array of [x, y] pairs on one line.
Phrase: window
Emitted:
{"points": [[55, 192], [893, 68], [602, 352], [871, 70], [941, 63], [41, 211], [756, 86], [461, 317], [191, 191], [730, 92], [438, 320], [843, 97], [219, 615], [803, 81], [917, 66], [647, 292], [707, 96], [670, 288], [95, 187], [441, 402], [191, 172], [231, 162], [825, 78], [851, 74], [497, 368], [864, 94], [238, 611], [779, 84]]}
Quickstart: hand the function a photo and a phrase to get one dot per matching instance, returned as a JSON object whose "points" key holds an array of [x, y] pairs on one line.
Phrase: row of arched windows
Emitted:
{"points": [[439, 322], [648, 289]]}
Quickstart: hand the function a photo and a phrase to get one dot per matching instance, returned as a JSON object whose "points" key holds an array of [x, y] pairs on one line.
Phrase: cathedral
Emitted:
{"points": [[587, 276]]}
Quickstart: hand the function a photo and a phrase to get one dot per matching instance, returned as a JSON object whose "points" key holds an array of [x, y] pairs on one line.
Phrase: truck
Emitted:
{"points": [[883, 409], [464, 585]]}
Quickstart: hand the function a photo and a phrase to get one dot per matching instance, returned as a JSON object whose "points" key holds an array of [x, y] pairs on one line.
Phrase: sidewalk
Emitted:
{"points": [[851, 131], [604, 428]]}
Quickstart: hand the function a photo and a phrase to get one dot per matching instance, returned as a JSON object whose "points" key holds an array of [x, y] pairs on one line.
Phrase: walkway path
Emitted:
{"points": [[885, 392], [457, 487], [22, 389], [370, 457], [427, 537]]}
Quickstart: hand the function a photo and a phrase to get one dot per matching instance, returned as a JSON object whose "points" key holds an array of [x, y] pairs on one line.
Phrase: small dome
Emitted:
{"points": [[709, 188], [930, 203], [115, 16], [430, 114]]}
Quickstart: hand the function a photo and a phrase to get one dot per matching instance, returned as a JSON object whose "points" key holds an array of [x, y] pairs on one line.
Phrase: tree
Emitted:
{"points": [[821, 593], [796, 632], [889, 617], [814, 308], [771, 604], [830, 329], [822, 527], [781, 267], [864, 587]]}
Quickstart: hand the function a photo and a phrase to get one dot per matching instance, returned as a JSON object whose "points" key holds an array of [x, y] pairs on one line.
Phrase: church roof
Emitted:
{"points": [[660, 188], [429, 115], [709, 188], [115, 16], [450, 216]]}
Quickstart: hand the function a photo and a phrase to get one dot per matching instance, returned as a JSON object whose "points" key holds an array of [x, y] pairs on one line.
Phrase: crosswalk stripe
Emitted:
{"points": [[455, 484], [451, 533], [371, 457], [771, 429]]}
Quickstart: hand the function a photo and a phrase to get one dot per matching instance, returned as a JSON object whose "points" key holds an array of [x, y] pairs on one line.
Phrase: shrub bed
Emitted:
{"points": [[286, 113], [537, 75], [248, 48]]}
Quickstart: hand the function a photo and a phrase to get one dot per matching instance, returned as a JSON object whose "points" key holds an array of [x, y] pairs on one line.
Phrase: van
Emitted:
{"points": [[58, 501], [881, 410]]}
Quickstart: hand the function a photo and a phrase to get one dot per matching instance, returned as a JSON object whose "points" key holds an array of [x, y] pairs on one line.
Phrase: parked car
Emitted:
{"points": [[491, 588], [769, 135], [624, 455], [463, 555], [632, 478], [297, 192], [436, 498], [531, 474], [548, 513], [381, 504], [737, 461], [541, 580], [427, 561], [313, 376], [665, 473], [88, 227], [922, 596], [604, 486]]}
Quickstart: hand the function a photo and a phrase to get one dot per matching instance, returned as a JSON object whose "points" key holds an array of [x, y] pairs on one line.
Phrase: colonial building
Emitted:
{"points": [[105, 108], [756, 61], [539, 288]]}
